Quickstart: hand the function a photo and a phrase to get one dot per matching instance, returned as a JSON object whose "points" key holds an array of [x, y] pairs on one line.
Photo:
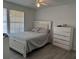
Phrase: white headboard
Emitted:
{"points": [[43, 24]]}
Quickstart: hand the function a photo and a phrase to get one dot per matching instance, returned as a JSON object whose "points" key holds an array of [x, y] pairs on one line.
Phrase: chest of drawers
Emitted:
{"points": [[63, 37]]}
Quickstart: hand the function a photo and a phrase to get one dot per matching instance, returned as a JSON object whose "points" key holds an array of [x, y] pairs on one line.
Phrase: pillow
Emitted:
{"points": [[35, 29], [43, 30]]}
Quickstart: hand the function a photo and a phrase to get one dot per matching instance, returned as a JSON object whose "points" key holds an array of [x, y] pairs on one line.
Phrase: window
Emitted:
{"points": [[16, 21], [4, 20]]}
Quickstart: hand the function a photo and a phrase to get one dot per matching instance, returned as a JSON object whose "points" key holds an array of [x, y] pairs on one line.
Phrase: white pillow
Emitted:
{"points": [[35, 29], [43, 30]]}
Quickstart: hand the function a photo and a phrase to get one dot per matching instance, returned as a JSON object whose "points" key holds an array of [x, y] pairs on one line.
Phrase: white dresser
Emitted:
{"points": [[63, 37]]}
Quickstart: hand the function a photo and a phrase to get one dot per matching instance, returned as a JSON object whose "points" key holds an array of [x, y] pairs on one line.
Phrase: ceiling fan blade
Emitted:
{"points": [[40, 2], [43, 3], [37, 1]]}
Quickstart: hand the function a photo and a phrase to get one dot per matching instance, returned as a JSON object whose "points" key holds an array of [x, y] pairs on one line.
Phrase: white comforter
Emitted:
{"points": [[31, 40]]}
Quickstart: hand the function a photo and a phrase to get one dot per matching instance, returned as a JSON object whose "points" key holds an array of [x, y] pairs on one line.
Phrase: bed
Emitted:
{"points": [[25, 42]]}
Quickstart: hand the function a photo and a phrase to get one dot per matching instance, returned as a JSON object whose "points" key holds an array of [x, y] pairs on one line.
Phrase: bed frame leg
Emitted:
{"points": [[25, 56]]}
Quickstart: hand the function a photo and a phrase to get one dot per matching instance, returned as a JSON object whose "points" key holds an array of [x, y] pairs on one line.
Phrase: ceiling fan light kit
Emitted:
{"points": [[40, 2], [38, 5]]}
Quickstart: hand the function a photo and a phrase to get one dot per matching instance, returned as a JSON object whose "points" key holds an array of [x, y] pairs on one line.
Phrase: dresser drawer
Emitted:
{"points": [[63, 46], [62, 33], [63, 42], [62, 37], [16, 45], [63, 29]]}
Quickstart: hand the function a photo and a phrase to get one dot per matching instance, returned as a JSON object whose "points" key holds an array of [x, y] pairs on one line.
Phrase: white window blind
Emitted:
{"points": [[16, 21], [4, 20]]}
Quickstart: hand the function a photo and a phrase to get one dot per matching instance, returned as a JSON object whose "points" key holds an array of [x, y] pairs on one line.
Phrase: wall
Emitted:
{"points": [[62, 14], [29, 13]]}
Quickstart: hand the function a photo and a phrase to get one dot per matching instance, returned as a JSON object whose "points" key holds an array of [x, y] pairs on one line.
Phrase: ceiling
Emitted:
{"points": [[31, 3]]}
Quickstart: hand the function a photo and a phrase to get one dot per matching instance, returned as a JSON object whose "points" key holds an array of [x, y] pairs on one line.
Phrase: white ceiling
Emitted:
{"points": [[31, 3]]}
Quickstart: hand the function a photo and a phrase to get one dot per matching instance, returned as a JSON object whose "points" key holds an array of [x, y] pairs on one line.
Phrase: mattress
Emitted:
{"points": [[31, 40]]}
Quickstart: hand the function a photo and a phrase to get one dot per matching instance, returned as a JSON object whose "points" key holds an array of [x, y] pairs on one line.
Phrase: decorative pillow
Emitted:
{"points": [[35, 29], [43, 30]]}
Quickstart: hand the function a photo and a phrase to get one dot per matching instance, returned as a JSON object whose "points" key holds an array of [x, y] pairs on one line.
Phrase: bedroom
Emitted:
{"points": [[56, 15]]}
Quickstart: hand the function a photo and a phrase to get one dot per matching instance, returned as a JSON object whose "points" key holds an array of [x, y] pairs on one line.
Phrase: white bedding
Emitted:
{"points": [[31, 40]]}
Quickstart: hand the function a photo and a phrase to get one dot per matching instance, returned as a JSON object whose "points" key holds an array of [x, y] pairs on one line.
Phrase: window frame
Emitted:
{"points": [[6, 20], [9, 19]]}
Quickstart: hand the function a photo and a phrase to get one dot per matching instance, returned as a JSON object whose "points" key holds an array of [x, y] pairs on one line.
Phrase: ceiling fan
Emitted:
{"points": [[40, 2]]}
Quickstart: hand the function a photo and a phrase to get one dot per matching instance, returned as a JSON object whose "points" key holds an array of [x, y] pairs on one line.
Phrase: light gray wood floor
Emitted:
{"points": [[47, 52]]}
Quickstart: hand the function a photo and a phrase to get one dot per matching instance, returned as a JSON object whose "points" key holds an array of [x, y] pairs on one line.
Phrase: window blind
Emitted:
{"points": [[16, 21]]}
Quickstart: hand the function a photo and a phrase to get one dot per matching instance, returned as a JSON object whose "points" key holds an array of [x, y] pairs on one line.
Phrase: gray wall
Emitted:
{"points": [[62, 14], [29, 13]]}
